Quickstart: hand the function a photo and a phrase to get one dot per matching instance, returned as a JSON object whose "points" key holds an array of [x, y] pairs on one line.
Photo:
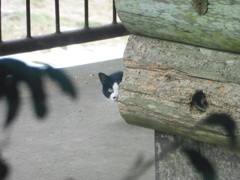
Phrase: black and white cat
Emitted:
{"points": [[110, 84]]}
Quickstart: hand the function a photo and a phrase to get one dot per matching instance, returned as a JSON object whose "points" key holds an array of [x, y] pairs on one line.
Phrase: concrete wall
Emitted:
{"points": [[171, 163]]}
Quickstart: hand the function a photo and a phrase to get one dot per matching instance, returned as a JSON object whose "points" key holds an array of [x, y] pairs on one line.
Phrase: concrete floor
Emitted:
{"points": [[80, 139]]}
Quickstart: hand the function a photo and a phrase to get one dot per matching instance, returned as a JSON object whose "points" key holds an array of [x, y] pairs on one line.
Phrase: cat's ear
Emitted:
{"points": [[103, 78]]}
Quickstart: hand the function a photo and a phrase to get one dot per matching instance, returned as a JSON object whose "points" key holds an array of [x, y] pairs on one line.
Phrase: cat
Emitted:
{"points": [[110, 84]]}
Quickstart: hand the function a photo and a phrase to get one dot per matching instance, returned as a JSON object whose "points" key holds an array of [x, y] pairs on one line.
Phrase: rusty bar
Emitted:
{"points": [[64, 38], [86, 22], [57, 16], [28, 18], [114, 13]]}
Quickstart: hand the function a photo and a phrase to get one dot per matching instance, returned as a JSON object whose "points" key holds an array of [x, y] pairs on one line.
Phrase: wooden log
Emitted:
{"points": [[216, 25], [161, 78]]}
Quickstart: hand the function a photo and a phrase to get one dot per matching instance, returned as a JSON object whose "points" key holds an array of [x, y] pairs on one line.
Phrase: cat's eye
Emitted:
{"points": [[110, 90]]}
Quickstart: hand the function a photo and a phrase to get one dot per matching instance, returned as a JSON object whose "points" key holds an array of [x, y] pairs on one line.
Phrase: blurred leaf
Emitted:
{"points": [[13, 71], [19, 71], [38, 94], [4, 169], [62, 79], [226, 122], [200, 163], [13, 103]]}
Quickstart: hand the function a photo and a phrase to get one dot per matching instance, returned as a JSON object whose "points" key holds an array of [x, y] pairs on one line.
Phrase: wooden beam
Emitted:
{"points": [[216, 27], [161, 79]]}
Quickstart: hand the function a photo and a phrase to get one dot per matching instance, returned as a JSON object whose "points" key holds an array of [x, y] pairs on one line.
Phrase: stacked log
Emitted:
{"points": [[163, 81]]}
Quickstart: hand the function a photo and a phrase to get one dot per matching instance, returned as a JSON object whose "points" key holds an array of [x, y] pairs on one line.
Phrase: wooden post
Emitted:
{"points": [[161, 78], [181, 66]]}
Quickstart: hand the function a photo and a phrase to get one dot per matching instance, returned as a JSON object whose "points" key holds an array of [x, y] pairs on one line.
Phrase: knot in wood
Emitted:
{"points": [[200, 6]]}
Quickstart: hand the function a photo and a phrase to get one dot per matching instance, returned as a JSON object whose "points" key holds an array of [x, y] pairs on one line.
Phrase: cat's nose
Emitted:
{"points": [[115, 98]]}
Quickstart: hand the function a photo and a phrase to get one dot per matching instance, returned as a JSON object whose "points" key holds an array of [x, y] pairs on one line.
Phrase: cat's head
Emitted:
{"points": [[110, 85]]}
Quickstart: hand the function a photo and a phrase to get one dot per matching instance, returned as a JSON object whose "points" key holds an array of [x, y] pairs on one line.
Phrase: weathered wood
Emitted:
{"points": [[160, 79], [179, 20]]}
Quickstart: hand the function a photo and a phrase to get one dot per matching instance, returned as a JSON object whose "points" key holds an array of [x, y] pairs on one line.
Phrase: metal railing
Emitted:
{"points": [[60, 38]]}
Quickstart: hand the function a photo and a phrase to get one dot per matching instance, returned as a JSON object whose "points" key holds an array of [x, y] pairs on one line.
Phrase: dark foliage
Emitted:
{"points": [[200, 163], [226, 122], [13, 71], [4, 169], [63, 80]]}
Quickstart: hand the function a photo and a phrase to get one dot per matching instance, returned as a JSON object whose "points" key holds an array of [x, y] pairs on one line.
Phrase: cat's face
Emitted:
{"points": [[110, 85]]}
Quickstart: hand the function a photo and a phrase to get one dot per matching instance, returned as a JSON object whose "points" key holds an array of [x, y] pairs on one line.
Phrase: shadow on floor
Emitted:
{"points": [[82, 139]]}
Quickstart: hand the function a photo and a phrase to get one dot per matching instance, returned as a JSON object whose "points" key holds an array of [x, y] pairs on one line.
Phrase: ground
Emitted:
{"points": [[80, 139]]}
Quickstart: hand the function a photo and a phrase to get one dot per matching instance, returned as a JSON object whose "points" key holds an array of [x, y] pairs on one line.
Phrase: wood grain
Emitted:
{"points": [[160, 79], [218, 27]]}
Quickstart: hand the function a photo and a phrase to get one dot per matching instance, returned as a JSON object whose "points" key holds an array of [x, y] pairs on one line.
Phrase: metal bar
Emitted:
{"points": [[57, 16], [0, 20], [28, 18], [86, 21], [65, 38], [114, 13]]}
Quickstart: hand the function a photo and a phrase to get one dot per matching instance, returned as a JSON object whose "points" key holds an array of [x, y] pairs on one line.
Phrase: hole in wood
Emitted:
{"points": [[199, 101]]}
